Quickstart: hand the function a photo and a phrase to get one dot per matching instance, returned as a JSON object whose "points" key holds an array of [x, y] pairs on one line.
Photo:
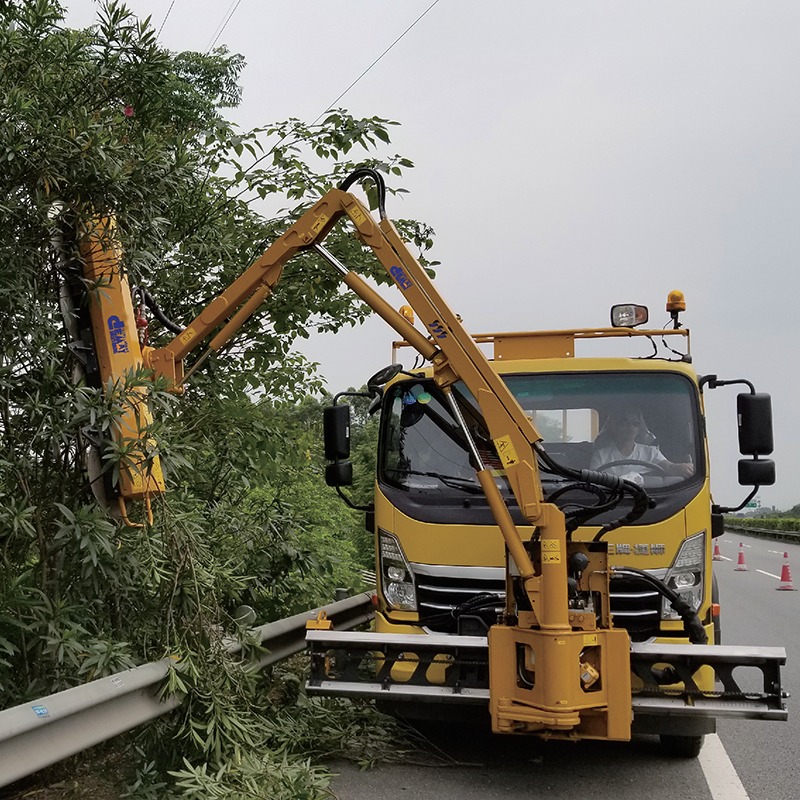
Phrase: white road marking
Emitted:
{"points": [[778, 552], [777, 577], [724, 558], [721, 777]]}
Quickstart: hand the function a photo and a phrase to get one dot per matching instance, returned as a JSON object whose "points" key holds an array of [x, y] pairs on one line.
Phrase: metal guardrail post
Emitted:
{"points": [[37, 734]]}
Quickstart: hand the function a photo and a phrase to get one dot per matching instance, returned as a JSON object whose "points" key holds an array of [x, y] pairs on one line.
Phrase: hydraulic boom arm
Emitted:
{"points": [[454, 354], [540, 637]]}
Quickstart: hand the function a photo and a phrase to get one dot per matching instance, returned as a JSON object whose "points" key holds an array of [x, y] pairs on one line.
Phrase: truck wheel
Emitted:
{"points": [[682, 746]]}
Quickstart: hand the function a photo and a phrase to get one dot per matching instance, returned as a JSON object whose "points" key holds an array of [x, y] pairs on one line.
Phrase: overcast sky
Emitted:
{"points": [[569, 155]]}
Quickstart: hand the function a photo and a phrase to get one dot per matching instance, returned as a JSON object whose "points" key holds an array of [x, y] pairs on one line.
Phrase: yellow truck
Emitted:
{"points": [[543, 522], [619, 561]]}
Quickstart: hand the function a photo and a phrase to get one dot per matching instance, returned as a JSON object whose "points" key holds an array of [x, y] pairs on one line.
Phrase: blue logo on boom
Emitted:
{"points": [[119, 340], [399, 274], [437, 330]]}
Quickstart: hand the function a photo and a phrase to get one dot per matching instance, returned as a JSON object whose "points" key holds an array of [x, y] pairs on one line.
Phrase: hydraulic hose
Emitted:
{"points": [[375, 177], [641, 500], [582, 513], [156, 309], [692, 625], [480, 602]]}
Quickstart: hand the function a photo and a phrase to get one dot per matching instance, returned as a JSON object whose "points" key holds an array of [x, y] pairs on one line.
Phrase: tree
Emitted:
{"points": [[105, 120]]}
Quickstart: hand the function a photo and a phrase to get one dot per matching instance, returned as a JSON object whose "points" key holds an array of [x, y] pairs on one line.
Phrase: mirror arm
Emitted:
{"points": [[370, 393], [713, 382], [725, 510], [349, 502]]}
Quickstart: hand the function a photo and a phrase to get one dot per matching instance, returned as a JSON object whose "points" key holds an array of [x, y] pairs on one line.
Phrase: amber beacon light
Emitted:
{"points": [[676, 303]]}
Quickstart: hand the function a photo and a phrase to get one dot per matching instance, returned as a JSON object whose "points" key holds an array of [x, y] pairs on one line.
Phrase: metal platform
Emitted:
{"points": [[455, 669], [761, 698]]}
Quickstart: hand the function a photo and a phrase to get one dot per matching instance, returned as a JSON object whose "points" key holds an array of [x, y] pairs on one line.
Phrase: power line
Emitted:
{"points": [[272, 149], [331, 105], [224, 24], [165, 19]]}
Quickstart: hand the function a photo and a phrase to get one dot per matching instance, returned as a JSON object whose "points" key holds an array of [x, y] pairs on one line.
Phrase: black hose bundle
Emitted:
{"points": [[692, 626], [481, 602], [618, 486], [375, 177], [149, 301], [576, 514]]}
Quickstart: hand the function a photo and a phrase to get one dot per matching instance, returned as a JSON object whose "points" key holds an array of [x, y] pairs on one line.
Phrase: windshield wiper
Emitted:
{"points": [[470, 485]]}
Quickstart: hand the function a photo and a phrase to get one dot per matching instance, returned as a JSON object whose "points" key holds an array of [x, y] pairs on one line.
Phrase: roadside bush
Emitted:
{"points": [[105, 121]]}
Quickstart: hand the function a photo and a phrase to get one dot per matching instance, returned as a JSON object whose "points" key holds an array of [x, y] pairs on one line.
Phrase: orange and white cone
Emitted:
{"points": [[717, 555], [741, 566], [786, 576]]}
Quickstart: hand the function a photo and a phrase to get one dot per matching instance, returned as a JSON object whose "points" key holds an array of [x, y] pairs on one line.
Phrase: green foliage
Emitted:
{"points": [[255, 775], [105, 120], [768, 523], [335, 728], [792, 513]]}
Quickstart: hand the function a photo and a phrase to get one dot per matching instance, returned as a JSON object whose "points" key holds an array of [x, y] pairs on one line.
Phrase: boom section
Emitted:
{"points": [[543, 633], [451, 350]]}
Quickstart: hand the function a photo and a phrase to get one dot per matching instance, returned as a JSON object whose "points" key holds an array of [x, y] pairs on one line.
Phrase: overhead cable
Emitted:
{"points": [[331, 105], [166, 17], [224, 24]]}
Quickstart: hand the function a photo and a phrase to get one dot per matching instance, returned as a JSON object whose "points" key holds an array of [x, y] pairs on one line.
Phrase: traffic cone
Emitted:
{"points": [[786, 576], [741, 566], [717, 555]]}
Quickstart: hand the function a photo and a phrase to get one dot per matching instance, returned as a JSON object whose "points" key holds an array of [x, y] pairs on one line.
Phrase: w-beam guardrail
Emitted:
{"points": [[37, 734], [764, 533]]}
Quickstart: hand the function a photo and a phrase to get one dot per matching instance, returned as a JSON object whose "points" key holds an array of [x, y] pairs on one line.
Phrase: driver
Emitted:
{"points": [[618, 442]]}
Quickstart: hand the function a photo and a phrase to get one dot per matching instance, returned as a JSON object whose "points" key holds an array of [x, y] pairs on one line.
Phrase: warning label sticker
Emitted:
{"points": [[354, 212], [550, 544], [506, 451], [319, 223], [551, 551]]}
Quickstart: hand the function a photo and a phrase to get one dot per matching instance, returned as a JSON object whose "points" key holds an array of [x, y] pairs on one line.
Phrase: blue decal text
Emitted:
{"points": [[119, 340]]}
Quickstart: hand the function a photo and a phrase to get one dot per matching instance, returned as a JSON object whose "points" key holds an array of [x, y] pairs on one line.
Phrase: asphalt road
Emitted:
{"points": [[746, 760]]}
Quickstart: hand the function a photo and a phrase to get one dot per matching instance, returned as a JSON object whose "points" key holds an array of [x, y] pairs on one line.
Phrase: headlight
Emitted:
{"points": [[686, 575], [397, 579]]}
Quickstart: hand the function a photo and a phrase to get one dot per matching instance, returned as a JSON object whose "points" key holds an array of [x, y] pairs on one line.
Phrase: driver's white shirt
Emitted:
{"points": [[641, 452]]}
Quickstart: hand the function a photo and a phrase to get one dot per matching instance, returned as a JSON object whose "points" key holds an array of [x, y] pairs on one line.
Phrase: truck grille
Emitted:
{"points": [[635, 604], [439, 596]]}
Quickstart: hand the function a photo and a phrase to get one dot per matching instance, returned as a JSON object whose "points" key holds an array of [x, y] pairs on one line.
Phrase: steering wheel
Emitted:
{"points": [[655, 468]]}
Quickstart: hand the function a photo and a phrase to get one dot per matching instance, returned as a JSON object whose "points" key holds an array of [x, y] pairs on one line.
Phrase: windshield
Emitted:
{"points": [[640, 426]]}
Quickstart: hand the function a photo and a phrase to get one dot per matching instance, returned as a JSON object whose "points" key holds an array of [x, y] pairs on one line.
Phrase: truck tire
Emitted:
{"points": [[682, 746]]}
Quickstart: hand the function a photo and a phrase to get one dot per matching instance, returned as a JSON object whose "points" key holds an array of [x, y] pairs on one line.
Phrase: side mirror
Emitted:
{"points": [[340, 473], [754, 415], [756, 472], [336, 432], [336, 435], [754, 418]]}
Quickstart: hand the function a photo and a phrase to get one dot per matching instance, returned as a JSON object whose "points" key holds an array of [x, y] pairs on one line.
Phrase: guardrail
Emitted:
{"points": [[37, 734], [765, 533]]}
